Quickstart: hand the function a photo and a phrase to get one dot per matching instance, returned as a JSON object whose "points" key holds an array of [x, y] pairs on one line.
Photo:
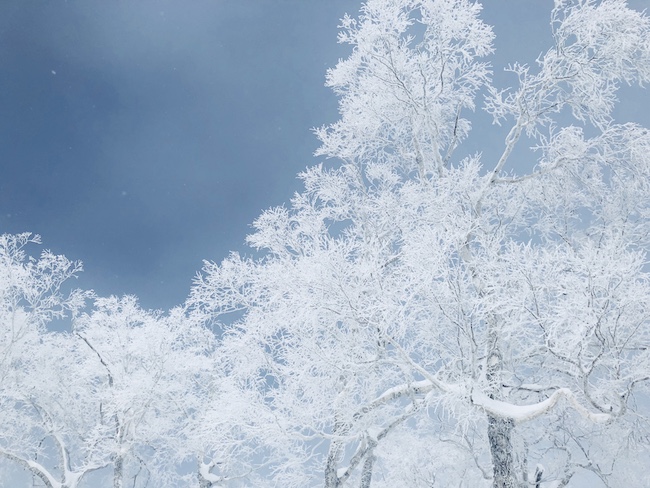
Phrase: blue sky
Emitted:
{"points": [[142, 137]]}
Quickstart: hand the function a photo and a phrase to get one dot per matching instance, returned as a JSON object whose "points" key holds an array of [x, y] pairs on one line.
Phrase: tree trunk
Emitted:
{"points": [[118, 471], [539, 472], [333, 456], [499, 429], [366, 473], [503, 466], [335, 452]]}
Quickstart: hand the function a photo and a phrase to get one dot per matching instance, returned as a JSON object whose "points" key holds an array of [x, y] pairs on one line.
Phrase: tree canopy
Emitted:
{"points": [[416, 316]]}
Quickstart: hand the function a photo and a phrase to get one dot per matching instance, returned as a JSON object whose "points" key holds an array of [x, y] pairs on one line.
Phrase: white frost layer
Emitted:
{"points": [[523, 413]]}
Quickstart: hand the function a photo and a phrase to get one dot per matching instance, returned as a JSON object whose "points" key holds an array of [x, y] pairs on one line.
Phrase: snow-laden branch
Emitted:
{"points": [[34, 467], [372, 438], [524, 413], [518, 413], [399, 391], [435, 382], [207, 477]]}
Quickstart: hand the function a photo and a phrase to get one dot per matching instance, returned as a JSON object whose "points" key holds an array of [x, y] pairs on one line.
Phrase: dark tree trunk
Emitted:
{"points": [[539, 472], [118, 471], [503, 464], [366, 473], [499, 429], [331, 476]]}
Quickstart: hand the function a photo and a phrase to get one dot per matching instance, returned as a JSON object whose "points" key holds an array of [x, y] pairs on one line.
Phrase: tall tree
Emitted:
{"points": [[510, 295], [146, 368], [126, 392], [47, 410]]}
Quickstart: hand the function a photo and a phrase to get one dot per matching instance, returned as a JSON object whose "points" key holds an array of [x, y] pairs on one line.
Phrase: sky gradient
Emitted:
{"points": [[142, 137]]}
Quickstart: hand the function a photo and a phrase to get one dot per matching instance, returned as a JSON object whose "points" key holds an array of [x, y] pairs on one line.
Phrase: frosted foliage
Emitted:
{"points": [[410, 318], [418, 319], [107, 400], [598, 45], [408, 78], [145, 366], [44, 409]]}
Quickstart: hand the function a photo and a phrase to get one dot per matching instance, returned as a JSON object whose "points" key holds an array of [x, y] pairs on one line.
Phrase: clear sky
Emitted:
{"points": [[142, 137]]}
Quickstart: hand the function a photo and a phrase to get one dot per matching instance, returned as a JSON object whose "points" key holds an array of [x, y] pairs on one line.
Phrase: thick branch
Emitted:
{"points": [[524, 413], [36, 468]]}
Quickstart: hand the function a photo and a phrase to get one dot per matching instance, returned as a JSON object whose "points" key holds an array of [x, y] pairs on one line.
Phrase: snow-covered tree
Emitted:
{"points": [[127, 394], [31, 296], [47, 411], [506, 302], [147, 367], [228, 435]]}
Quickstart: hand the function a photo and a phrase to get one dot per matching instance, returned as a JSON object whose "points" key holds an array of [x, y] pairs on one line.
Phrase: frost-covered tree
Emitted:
{"points": [[47, 411], [228, 435], [148, 372], [31, 296], [503, 304], [117, 395]]}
